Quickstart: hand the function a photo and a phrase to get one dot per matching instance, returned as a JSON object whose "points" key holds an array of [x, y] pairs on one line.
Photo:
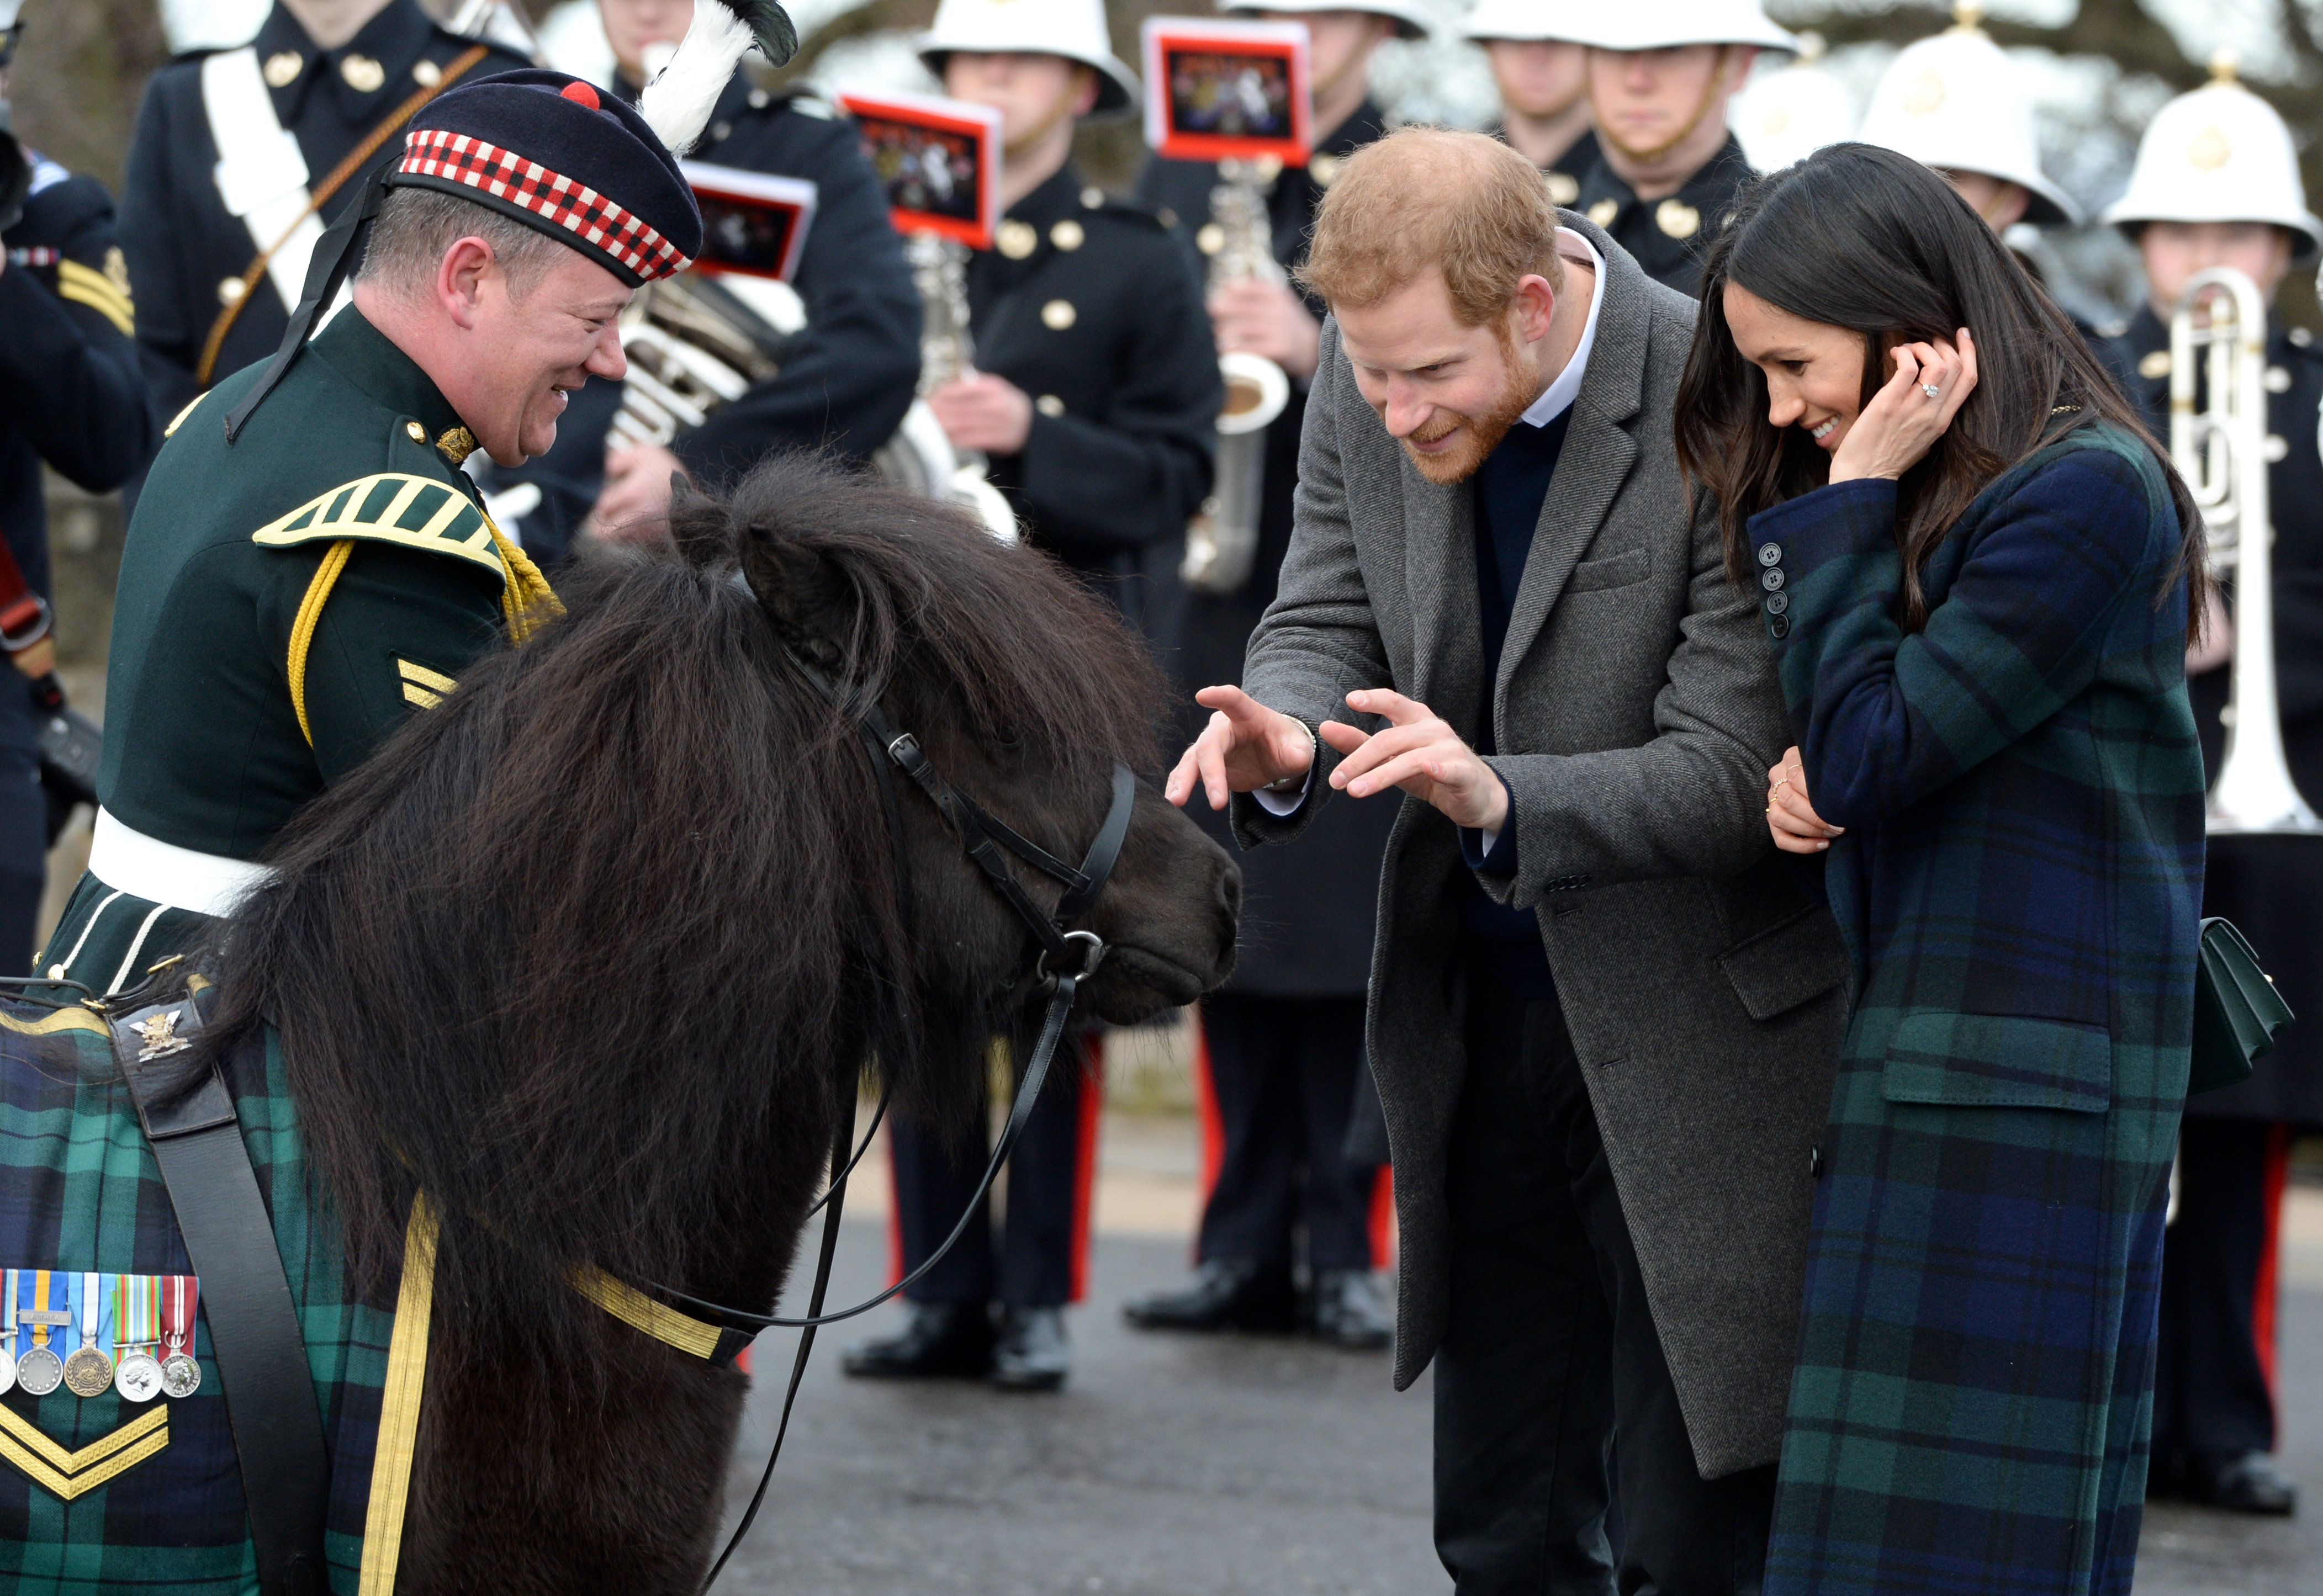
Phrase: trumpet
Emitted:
{"points": [[1222, 540], [2221, 449], [920, 456]]}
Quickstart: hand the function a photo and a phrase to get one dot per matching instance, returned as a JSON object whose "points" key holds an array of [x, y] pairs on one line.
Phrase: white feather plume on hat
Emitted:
{"points": [[676, 105]]}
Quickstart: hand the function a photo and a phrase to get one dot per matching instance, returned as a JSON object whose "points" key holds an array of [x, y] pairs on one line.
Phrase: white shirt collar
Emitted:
{"points": [[1561, 393]]}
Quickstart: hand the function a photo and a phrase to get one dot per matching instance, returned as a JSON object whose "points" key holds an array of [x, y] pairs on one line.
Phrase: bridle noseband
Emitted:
{"points": [[1066, 959]]}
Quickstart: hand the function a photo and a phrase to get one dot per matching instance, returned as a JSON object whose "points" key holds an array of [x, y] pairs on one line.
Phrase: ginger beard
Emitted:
{"points": [[1481, 433]]}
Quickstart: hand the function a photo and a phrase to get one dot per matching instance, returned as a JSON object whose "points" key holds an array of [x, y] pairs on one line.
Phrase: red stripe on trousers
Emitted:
{"points": [[1206, 1116], [1383, 1217], [1092, 1111], [2264, 1293]]}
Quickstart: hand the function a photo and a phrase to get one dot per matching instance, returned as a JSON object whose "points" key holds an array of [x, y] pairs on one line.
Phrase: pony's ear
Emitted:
{"points": [[698, 526], [808, 600]]}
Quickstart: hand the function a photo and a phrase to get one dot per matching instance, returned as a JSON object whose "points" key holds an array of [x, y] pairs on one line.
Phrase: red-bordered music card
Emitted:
{"points": [[938, 159], [1219, 90]]}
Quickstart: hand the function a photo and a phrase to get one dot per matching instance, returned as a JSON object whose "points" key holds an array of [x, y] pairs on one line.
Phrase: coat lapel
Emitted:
{"points": [[1597, 456]]}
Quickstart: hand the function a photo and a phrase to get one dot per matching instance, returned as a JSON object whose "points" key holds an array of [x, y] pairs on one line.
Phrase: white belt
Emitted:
{"points": [[129, 861]]}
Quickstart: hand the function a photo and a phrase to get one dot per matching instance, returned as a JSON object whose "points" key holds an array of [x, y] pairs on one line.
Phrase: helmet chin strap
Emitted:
{"points": [[1648, 157]]}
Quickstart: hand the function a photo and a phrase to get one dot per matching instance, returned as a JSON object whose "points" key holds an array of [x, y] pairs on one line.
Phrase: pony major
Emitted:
{"points": [[589, 961]]}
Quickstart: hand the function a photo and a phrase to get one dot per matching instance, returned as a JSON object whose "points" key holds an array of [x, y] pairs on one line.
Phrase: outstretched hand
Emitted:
{"points": [[1419, 753], [1901, 422], [1245, 746]]}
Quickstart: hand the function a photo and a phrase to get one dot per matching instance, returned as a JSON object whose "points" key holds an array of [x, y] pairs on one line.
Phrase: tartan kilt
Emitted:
{"points": [[79, 1190], [1973, 1397]]}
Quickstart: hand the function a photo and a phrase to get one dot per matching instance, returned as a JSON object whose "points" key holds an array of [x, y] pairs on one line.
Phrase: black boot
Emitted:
{"points": [[2251, 1482], [1226, 1294], [944, 1340], [1032, 1353], [1349, 1310]]}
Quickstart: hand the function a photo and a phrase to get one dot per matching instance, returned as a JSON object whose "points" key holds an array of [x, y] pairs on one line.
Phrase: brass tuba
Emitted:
{"points": [[2222, 452], [1222, 540]]}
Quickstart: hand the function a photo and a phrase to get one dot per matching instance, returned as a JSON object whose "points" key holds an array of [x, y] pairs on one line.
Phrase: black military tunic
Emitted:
{"points": [[186, 252], [70, 396], [846, 378], [1564, 174], [1089, 305], [1668, 237]]}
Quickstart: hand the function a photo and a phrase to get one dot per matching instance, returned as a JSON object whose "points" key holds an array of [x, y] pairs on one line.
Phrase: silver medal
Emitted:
{"points": [[40, 1371], [180, 1375], [139, 1379]]}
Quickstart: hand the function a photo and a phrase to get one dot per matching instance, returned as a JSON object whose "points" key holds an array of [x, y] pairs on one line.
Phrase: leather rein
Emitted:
{"points": [[1066, 959]]}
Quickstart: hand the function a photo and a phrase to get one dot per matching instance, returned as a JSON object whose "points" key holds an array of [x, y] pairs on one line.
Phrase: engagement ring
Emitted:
{"points": [[1931, 391]]}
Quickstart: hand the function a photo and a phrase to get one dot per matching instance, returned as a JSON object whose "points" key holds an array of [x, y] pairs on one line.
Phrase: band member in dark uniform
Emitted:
{"points": [[2217, 183], [846, 372], [71, 398], [1093, 397], [220, 212], [1282, 1048], [1668, 166], [1543, 79]]}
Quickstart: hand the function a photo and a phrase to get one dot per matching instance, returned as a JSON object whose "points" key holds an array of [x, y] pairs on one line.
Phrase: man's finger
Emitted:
{"points": [[1341, 736], [1386, 701], [1410, 771], [1386, 745], [1180, 785]]}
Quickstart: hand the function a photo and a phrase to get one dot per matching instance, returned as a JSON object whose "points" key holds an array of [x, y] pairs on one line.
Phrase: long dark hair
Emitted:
{"points": [[1860, 237]]}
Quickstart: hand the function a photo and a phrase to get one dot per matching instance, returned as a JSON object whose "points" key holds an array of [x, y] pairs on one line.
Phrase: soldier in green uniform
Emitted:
{"points": [[1668, 166], [309, 565]]}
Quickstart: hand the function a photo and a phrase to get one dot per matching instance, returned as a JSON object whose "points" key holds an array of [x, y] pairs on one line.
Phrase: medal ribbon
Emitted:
{"points": [[136, 1316], [41, 1282], [92, 1307], [180, 1295], [8, 1335]]}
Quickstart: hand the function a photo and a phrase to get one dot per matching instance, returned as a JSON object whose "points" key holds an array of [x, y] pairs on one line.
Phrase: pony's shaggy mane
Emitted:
{"points": [[617, 911]]}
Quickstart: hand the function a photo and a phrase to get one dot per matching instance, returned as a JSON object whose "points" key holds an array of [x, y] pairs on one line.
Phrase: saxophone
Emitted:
{"points": [[920, 456], [1222, 540], [2221, 452]]}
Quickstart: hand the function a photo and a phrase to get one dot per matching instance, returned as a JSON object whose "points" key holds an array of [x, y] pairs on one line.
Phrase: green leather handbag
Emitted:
{"points": [[2236, 1009]]}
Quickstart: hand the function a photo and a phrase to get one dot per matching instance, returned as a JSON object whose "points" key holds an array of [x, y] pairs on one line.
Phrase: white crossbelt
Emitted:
{"points": [[261, 175], [127, 860]]}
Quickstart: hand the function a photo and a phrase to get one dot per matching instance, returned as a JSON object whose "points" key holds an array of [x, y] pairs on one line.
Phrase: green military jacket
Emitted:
{"points": [[285, 601]]}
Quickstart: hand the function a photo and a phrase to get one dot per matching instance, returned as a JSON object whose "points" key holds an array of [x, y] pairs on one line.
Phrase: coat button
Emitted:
{"points": [[1048, 404], [1771, 579], [426, 73], [1815, 1163], [1779, 628], [416, 432], [1604, 212], [1210, 239], [2278, 380], [1777, 602], [1058, 315], [1770, 554], [1067, 235], [229, 290], [1016, 239], [1092, 196]]}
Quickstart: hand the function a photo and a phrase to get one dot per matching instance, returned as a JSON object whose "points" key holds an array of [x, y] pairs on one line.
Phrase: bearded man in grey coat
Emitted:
{"points": [[1603, 1015]]}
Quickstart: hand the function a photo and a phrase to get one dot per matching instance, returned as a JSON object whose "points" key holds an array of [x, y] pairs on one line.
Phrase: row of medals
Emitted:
{"points": [[141, 1377]]}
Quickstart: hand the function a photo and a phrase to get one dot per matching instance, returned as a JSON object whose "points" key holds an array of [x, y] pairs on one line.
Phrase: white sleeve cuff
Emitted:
{"points": [[1284, 803], [1490, 834]]}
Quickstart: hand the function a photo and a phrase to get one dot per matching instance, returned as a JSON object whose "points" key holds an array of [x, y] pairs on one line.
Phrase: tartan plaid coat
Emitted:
{"points": [[79, 1190], [2020, 888]]}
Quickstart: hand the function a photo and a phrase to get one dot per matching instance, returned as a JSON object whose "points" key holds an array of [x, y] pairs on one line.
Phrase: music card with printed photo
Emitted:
{"points": [[1226, 90], [939, 159], [752, 224]]}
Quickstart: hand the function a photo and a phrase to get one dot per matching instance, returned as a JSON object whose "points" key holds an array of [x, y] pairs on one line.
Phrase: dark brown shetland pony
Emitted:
{"points": [[595, 954]]}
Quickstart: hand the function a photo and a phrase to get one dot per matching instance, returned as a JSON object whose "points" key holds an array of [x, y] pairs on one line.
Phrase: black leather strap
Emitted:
{"points": [[254, 1334]]}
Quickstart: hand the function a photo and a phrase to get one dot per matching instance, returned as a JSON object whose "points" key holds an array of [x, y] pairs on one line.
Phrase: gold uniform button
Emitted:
{"points": [[1067, 235], [229, 290], [1677, 218], [1604, 212], [1058, 315], [1048, 404], [282, 68], [415, 432], [1324, 169], [2155, 365], [1092, 196], [1564, 187], [1016, 239], [364, 75], [1211, 239], [1267, 168], [426, 74], [2278, 380]]}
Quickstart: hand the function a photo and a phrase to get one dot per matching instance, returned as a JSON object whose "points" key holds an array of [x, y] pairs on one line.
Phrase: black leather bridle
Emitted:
{"points": [[1066, 959]]}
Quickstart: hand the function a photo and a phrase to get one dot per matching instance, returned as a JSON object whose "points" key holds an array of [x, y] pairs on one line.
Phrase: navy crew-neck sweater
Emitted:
{"points": [[1510, 489]]}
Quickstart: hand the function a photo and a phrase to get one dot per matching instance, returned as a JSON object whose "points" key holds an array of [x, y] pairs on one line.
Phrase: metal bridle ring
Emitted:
{"points": [[1093, 953]]}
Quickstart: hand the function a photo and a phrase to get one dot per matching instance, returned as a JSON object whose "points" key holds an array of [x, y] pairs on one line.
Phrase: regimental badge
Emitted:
{"points": [[364, 75], [1324, 169], [1677, 218], [1564, 187], [1015, 239], [455, 444], [282, 68], [1604, 212], [116, 268], [2209, 150], [159, 1034], [1923, 95]]}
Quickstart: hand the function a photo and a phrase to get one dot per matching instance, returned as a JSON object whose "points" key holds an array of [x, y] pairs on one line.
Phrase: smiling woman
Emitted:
{"points": [[1975, 568]]}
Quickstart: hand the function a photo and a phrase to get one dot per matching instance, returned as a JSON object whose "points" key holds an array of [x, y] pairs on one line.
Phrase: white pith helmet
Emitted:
{"points": [[1956, 101], [1555, 20], [212, 24], [2219, 154], [1073, 29], [1792, 112], [1411, 20], [1664, 24]]}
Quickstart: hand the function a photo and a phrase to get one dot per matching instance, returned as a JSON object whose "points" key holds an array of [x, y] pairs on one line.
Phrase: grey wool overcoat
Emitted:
{"points": [[1637, 711]]}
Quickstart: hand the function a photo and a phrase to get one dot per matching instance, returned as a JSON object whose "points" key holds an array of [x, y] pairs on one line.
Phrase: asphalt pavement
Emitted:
{"points": [[1238, 1466]]}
